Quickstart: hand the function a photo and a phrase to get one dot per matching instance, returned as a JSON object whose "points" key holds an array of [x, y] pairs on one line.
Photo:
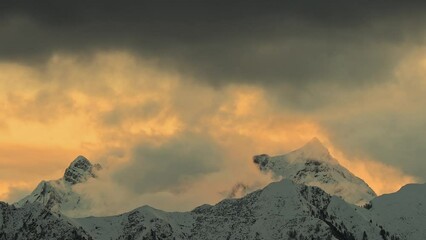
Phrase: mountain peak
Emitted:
{"points": [[80, 170], [315, 142], [80, 159], [58, 195], [314, 149], [313, 165]]}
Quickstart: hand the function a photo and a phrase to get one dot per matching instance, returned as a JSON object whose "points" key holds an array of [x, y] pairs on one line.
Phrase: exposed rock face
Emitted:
{"points": [[261, 160], [80, 170], [58, 195]]}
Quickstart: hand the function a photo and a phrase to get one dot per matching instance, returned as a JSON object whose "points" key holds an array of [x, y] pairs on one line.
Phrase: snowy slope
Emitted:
{"points": [[293, 208], [58, 195], [279, 211], [33, 221], [142, 223], [313, 165], [282, 210], [403, 212]]}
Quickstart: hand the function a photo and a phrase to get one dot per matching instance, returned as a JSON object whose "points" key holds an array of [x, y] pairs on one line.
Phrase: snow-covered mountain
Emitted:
{"points": [[296, 207], [403, 212], [282, 210], [34, 221], [58, 195], [313, 165]]}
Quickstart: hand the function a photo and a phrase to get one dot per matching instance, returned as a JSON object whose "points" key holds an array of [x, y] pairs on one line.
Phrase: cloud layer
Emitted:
{"points": [[164, 139], [275, 43], [178, 96]]}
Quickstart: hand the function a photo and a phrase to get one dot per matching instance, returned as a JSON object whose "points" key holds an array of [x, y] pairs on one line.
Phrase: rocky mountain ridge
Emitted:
{"points": [[58, 195], [312, 201], [313, 165], [282, 210]]}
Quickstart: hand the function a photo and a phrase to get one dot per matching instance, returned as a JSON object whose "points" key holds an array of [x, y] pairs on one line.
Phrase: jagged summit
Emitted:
{"points": [[58, 195], [80, 170], [80, 159], [313, 165]]}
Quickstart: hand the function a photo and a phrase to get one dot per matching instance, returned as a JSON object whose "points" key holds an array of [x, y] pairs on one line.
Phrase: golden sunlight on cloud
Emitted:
{"points": [[111, 102], [382, 178], [65, 104], [22, 167], [246, 116]]}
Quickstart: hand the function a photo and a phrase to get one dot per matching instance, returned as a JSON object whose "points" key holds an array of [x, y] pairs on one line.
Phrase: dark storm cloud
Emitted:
{"points": [[283, 42]]}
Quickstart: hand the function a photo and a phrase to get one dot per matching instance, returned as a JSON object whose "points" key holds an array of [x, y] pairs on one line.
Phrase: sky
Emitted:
{"points": [[174, 98]]}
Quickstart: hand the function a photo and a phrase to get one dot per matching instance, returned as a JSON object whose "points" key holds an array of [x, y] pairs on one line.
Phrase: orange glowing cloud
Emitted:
{"points": [[382, 178], [113, 101]]}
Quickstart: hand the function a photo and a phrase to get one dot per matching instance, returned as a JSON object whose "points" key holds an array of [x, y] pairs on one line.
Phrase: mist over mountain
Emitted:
{"points": [[313, 165], [59, 195], [282, 210], [242, 120], [316, 199]]}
